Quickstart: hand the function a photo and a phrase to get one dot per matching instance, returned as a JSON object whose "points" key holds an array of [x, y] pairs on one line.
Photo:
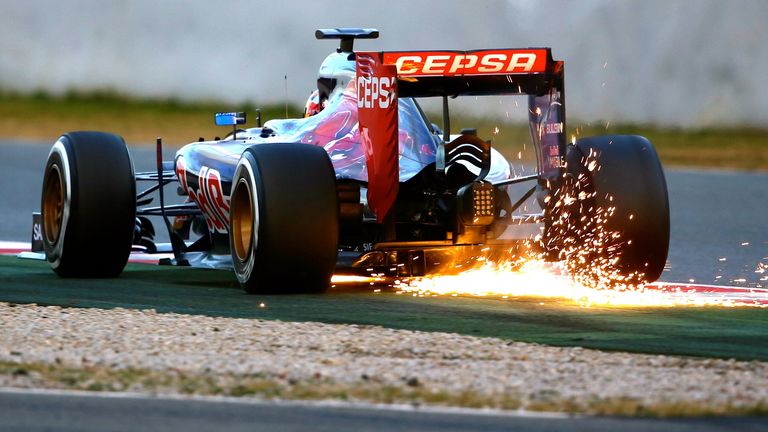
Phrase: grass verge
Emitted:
{"points": [[104, 378], [686, 331], [43, 117]]}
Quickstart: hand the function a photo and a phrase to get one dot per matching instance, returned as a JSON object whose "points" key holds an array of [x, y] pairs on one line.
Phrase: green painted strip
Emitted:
{"points": [[740, 333]]}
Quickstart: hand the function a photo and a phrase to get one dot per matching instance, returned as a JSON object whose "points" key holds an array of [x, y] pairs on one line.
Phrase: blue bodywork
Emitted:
{"points": [[335, 128]]}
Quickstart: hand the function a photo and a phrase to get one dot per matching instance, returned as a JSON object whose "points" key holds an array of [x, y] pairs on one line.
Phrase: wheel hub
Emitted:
{"points": [[242, 220], [53, 204]]}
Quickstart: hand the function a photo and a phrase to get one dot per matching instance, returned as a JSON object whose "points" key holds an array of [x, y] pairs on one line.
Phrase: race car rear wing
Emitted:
{"points": [[383, 77], [479, 72]]}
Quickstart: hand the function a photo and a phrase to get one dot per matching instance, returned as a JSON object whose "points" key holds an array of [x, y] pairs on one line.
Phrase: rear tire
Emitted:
{"points": [[88, 205], [284, 224], [624, 173]]}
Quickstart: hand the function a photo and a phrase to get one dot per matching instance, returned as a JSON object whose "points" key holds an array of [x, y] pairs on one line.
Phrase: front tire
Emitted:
{"points": [[88, 205], [284, 219]]}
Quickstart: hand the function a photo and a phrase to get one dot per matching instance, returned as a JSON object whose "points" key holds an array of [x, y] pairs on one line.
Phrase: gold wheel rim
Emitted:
{"points": [[242, 220], [53, 204]]}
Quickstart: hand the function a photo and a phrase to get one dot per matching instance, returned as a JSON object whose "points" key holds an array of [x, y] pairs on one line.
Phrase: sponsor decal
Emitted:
{"points": [[37, 232], [209, 195], [486, 62], [553, 128], [363, 247], [554, 161], [375, 92], [378, 125], [553, 156]]}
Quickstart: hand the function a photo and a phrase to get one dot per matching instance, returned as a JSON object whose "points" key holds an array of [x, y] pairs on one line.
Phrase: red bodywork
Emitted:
{"points": [[377, 111]]}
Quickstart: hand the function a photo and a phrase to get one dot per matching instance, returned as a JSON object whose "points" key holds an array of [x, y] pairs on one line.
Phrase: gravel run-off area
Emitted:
{"points": [[144, 351]]}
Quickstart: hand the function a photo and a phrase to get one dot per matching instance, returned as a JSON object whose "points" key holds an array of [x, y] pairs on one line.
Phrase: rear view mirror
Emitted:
{"points": [[230, 118]]}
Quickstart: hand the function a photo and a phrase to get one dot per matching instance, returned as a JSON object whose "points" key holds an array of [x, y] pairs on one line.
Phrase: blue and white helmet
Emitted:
{"points": [[336, 71]]}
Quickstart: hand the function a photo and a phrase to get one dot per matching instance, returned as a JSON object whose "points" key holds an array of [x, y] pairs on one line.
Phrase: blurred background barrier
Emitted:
{"points": [[665, 62]]}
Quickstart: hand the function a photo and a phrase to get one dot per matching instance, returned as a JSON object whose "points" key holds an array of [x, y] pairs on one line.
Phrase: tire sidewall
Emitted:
{"points": [[245, 176], [60, 155]]}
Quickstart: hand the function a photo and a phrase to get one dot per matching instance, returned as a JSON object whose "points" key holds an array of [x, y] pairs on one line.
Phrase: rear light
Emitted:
{"points": [[476, 204]]}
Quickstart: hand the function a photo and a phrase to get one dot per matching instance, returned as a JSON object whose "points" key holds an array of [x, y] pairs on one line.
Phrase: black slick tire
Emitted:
{"points": [[88, 205], [284, 221], [621, 175]]}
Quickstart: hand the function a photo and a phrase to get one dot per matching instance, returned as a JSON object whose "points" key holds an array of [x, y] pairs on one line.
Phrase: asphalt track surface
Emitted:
{"points": [[714, 216], [86, 412]]}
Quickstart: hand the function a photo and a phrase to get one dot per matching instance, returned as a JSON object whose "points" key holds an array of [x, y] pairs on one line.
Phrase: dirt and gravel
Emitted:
{"points": [[144, 351]]}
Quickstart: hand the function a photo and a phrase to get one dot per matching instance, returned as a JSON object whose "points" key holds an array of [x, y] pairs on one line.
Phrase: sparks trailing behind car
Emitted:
{"points": [[364, 183]]}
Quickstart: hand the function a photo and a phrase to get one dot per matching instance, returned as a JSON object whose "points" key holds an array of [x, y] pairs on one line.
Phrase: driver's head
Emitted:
{"points": [[319, 98], [337, 70], [314, 104]]}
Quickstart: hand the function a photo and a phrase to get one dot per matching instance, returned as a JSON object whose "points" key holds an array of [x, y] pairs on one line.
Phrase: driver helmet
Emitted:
{"points": [[336, 71]]}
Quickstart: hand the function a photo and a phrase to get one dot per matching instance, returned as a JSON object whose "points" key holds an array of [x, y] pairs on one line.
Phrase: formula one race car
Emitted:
{"points": [[365, 183]]}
